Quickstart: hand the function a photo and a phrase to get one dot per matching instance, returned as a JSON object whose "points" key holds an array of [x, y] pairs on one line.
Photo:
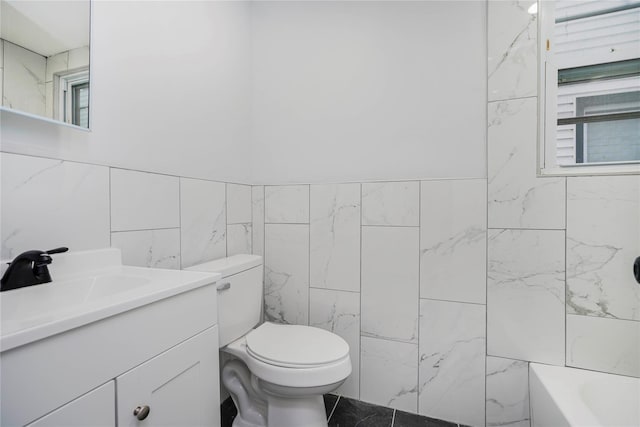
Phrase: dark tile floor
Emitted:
{"points": [[345, 412]]}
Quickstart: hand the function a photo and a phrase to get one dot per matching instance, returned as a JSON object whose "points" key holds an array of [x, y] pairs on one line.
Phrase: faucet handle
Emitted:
{"points": [[56, 251]]}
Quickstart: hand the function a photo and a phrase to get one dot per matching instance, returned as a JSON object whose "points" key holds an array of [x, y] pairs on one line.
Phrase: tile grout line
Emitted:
{"points": [[486, 255], [110, 213], [333, 409], [360, 301], [566, 287], [226, 219], [420, 225], [309, 256], [150, 229], [180, 222]]}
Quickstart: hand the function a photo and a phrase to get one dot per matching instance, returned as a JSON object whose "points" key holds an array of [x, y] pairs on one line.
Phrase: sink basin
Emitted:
{"points": [[87, 286]]}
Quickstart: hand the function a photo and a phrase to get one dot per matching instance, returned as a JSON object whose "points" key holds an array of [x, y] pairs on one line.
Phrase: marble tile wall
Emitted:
{"points": [[156, 220], [239, 219], [559, 288], [380, 265], [27, 89]]}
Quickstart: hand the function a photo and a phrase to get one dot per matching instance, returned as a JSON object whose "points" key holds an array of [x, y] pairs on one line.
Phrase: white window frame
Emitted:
{"points": [[547, 114], [63, 94]]}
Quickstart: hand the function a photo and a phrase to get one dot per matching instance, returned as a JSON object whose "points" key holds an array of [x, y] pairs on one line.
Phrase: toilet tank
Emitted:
{"points": [[239, 294]]}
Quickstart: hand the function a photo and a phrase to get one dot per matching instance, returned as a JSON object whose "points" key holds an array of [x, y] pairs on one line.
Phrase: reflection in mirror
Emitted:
{"points": [[44, 58]]}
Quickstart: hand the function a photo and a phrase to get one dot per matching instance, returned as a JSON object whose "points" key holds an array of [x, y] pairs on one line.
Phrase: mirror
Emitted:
{"points": [[44, 59]]}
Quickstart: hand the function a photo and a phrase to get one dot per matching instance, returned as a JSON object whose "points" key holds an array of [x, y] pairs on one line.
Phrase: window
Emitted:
{"points": [[591, 64], [73, 98]]}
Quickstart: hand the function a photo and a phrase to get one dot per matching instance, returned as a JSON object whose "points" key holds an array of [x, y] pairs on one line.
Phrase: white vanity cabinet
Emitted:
{"points": [[95, 408], [161, 352], [177, 386]]}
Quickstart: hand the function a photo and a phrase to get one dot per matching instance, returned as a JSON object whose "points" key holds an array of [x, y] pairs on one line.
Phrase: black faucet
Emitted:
{"points": [[28, 268]]}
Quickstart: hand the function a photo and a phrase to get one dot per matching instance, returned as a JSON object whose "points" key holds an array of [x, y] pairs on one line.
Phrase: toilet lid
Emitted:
{"points": [[295, 345]]}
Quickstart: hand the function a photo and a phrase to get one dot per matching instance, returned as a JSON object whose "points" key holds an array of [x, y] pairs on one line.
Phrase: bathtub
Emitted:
{"points": [[574, 397]]}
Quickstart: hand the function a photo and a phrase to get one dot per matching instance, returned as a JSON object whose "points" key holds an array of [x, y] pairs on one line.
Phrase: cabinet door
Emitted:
{"points": [[179, 386], [96, 408]]}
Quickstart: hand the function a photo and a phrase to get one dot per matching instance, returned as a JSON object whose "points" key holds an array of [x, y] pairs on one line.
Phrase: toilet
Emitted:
{"points": [[278, 373]]}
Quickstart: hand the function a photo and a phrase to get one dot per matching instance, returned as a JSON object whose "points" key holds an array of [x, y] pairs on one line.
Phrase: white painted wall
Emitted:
{"points": [[169, 93], [348, 91]]}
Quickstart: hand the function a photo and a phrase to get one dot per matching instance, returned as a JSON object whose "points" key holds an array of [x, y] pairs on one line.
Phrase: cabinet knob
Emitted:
{"points": [[142, 412]]}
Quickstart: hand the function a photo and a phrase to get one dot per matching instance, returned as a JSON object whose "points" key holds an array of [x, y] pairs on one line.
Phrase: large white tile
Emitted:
{"points": [[607, 345], [238, 204], [391, 203], [389, 373], [507, 392], [143, 201], [453, 236], [390, 287], [50, 203], [202, 221], [512, 63], [24, 80], [239, 239], [286, 268], [517, 198], [257, 207], [149, 248], [339, 312], [525, 295], [335, 236], [452, 361], [603, 239], [286, 204]]}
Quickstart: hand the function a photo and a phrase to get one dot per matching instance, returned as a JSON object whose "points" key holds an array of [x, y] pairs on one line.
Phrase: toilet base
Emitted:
{"points": [[296, 412], [263, 404]]}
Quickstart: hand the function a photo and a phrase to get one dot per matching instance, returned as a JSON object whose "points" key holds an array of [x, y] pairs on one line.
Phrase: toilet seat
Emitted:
{"points": [[295, 346], [262, 360]]}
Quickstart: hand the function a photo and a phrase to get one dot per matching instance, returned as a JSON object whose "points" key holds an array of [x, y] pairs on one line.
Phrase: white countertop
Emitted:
{"points": [[87, 286]]}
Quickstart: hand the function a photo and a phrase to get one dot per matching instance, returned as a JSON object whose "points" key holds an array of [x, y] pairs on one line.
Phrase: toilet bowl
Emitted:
{"points": [[279, 372]]}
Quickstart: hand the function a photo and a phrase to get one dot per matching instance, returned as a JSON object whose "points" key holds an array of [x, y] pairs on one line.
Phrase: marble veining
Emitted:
{"points": [[452, 359], [149, 248], [76, 196], [239, 239], [453, 240], [512, 50], [202, 221], [339, 312], [525, 295], [603, 344], [507, 392], [26, 71], [286, 267], [602, 242], [335, 237], [516, 197], [389, 373], [390, 257], [391, 203]]}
